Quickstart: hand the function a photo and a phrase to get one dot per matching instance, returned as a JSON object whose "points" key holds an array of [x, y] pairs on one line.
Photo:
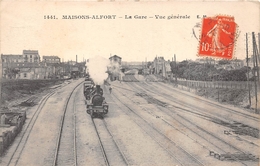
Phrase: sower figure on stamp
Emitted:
{"points": [[215, 34]]}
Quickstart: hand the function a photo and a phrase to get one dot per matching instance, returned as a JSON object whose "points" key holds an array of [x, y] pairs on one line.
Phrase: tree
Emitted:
{"points": [[223, 62], [149, 64], [11, 72], [233, 75]]}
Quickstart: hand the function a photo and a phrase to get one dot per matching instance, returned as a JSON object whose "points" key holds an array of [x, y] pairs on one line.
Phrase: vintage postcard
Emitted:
{"points": [[94, 83]]}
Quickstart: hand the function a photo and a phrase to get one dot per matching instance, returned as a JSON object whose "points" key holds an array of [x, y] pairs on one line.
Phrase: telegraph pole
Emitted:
{"points": [[175, 70], [256, 56], [248, 72], [259, 45], [1, 79], [254, 62], [146, 62]]}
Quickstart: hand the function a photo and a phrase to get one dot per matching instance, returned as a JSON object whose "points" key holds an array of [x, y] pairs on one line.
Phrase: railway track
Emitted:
{"points": [[13, 159], [195, 109], [197, 129], [182, 156], [110, 149], [66, 149], [217, 105], [203, 101], [216, 119]]}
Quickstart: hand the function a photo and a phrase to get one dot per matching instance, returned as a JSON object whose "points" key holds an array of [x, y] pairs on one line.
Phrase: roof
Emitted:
{"points": [[115, 57], [10, 56], [30, 52], [50, 57], [23, 65]]}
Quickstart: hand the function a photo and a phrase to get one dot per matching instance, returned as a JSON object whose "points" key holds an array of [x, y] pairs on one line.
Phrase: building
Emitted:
{"points": [[72, 62], [134, 65], [14, 64], [114, 70], [115, 59], [162, 67], [237, 63], [51, 59], [23, 66], [158, 65], [230, 64], [206, 60], [28, 56], [9, 58], [24, 70], [31, 56]]}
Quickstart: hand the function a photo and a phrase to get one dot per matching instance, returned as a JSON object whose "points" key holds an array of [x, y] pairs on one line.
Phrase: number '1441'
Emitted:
{"points": [[49, 17]]}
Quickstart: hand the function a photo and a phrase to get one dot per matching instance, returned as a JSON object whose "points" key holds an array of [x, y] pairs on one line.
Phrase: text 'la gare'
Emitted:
{"points": [[159, 17]]}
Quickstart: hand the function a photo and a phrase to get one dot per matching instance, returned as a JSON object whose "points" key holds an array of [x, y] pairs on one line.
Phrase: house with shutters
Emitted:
{"points": [[51, 59], [22, 66]]}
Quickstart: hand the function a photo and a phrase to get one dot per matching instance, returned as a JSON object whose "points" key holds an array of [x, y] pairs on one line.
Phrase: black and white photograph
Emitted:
{"points": [[138, 83]]}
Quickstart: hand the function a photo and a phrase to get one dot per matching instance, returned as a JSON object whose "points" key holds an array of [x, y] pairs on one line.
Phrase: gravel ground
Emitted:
{"points": [[191, 146], [39, 148], [138, 142], [139, 148]]}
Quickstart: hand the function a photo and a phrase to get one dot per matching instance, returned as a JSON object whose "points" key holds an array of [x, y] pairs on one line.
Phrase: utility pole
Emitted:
{"points": [[156, 65], [258, 45], [256, 56], [146, 62], [248, 72], [189, 76], [254, 62], [210, 74], [175, 66], [1, 79]]}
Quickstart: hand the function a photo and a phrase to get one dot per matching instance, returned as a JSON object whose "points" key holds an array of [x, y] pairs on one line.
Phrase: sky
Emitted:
{"points": [[22, 26]]}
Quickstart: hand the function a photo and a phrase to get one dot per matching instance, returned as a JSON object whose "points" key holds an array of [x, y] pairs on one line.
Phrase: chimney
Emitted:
{"points": [[98, 89]]}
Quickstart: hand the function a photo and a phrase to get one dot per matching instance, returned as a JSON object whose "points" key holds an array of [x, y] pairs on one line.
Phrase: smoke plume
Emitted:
{"points": [[97, 68]]}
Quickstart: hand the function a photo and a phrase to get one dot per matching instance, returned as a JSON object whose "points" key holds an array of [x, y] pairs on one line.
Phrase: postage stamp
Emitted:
{"points": [[218, 37]]}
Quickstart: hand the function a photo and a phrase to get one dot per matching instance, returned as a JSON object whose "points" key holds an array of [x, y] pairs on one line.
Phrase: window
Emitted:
{"points": [[3, 60], [24, 74], [30, 56]]}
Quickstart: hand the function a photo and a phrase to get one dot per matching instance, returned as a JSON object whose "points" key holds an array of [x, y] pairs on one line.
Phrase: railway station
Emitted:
{"points": [[173, 83]]}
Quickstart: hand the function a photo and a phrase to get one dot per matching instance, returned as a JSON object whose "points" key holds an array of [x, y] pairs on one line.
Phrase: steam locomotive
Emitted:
{"points": [[96, 104], [88, 88]]}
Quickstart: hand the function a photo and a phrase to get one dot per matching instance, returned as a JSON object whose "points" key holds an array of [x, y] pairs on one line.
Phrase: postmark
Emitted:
{"points": [[218, 35]]}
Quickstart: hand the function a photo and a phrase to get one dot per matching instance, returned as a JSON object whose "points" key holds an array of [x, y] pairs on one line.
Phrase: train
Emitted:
{"points": [[77, 72], [74, 74], [95, 102]]}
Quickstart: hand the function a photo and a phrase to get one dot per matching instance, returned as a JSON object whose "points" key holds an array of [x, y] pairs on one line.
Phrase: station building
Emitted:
{"points": [[114, 69]]}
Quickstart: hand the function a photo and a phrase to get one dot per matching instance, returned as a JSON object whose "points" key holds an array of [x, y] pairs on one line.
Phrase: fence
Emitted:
{"points": [[217, 84]]}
